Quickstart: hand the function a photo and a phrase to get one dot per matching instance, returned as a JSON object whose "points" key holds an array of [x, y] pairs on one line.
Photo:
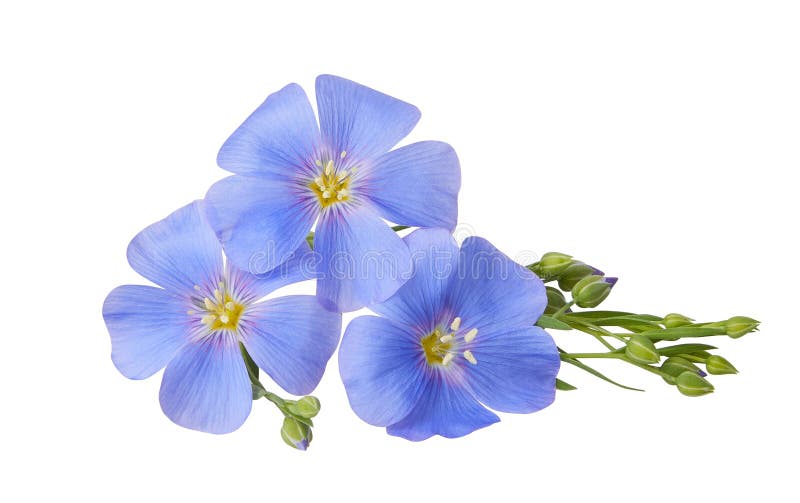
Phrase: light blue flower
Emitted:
{"points": [[457, 335], [291, 173], [194, 323]]}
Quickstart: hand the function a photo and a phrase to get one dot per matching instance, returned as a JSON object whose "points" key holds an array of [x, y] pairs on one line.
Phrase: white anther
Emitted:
{"points": [[326, 194], [448, 358], [197, 287], [217, 295], [470, 336], [344, 192], [470, 357], [191, 312], [209, 305], [456, 324], [208, 319], [446, 338], [344, 153], [229, 306], [320, 183], [224, 319], [329, 168], [318, 163], [339, 197]]}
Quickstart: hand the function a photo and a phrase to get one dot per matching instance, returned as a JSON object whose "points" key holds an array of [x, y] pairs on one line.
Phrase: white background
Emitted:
{"points": [[656, 140]]}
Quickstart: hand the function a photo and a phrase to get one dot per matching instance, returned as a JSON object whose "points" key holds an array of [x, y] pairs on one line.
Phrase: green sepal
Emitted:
{"points": [[564, 386], [398, 228], [633, 323], [553, 323]]}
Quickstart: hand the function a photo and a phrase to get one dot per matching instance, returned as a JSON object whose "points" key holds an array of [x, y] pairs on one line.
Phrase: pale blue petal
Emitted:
{"points": [[417, 185], [261, 222], [291, 338], [445, 409], [420, 302], [362, 260], [300, 267], [359, 120], [178, 252], [493, 293], [147, 326], [206, 386], [277, 140], [516, 370], [382, 368]]}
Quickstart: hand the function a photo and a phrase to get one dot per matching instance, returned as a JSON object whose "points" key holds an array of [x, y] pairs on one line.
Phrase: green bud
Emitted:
{"points": [[739, 325], [641, 350], [718, 365], [574, 272], [691, 384], [675, 366], [675, 320], [306, 407], [592, 290], [296, 434], [553, 263], [555, 300]]}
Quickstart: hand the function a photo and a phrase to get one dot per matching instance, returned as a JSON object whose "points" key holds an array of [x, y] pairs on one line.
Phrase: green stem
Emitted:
{"points": [[591, 355], [563, 309]]}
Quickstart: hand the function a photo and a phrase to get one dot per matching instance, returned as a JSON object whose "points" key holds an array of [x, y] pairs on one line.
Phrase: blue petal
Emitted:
{"points": [[445, 409], [420, 302], [359, 120], [277, 140], [147, 326], [261, 222], [291, 338], [300, 267], [362, 260], [381, 367], [178, 252], [493, 293], [206, 386], [417, 185], [516, 370]]}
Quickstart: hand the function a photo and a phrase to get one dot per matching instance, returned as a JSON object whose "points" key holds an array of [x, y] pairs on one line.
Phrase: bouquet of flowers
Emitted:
{"points": [[461, 329]]}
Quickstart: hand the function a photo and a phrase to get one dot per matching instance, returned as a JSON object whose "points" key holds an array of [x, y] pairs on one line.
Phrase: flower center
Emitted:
{"points": [[442, 346], [221, 311], [333, 183]]}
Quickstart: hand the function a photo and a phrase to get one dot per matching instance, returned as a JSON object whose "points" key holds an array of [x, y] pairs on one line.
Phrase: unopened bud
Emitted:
{"points": [[691, 384], [592, 290], [739, 325], [575, 272], [675, 320], [675, 366], [296, 434], [306, 407], [718, 365], [554, 263], [641, 349], [555, 300]]}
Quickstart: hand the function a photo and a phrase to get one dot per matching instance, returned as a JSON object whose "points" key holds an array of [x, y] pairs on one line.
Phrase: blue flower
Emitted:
{"points": [[194, 324], [291, 173], [457, 335]]}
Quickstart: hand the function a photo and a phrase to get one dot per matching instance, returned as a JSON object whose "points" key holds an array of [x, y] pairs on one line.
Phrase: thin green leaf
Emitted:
{"points": [[673, 334], [679, 349], [550, 322], [564, 386], [597, 373]]}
